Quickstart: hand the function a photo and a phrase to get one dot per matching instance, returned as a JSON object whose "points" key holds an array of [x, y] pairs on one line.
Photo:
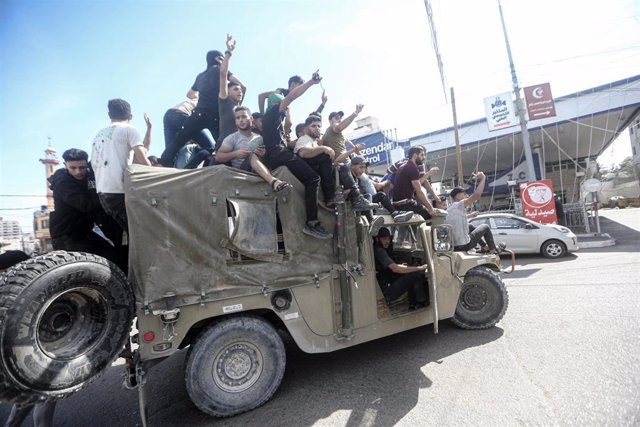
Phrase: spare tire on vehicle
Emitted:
{"points": [[64, 318]]}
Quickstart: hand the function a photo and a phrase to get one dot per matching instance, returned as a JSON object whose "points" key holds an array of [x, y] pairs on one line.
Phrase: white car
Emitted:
{"points": [[524, 236]]}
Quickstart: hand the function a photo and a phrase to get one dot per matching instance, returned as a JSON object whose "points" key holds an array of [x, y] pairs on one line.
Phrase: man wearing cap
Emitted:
{"points": [[408, 188], [396, 279], [463, 240], [358, 168], [333, 137], [320, 158]]}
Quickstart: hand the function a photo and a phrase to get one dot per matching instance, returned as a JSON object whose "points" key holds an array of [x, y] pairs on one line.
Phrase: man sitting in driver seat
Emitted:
{"points": [[396, 279]]}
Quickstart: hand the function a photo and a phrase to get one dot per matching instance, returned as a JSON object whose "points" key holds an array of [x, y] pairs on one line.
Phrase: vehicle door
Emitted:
{"points": [[515, 234]]}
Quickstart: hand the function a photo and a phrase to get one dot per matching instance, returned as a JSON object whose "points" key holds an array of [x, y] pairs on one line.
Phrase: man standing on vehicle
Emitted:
{"points": [[408, 188], [77, 210], [111, 155], [396, 279], [463, 240]]}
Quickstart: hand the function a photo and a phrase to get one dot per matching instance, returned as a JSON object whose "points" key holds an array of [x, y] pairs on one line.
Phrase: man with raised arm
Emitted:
{"points": [[205, 89], [112, 149], [335, 139], [278, 154], [229, 96], [463, 240], [321, 159], [408, 188]]}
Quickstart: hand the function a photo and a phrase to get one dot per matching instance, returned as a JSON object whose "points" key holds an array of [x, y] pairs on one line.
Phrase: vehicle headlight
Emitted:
{"points": [[564, 229], [442, 236]]}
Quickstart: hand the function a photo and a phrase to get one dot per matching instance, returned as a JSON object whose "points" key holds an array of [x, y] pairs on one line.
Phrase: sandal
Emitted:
{"points": [[279, 185]]}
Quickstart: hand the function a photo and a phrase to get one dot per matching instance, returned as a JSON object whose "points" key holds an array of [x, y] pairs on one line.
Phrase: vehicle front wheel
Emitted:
{"points": [[553, 249], [483, 300], [234, 366]]}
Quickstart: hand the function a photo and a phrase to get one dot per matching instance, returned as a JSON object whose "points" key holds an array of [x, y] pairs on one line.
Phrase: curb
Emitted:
{"points": [[606, 242]]}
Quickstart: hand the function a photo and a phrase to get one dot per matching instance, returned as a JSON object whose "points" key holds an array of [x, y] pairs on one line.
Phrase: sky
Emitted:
{"points": [[61, 61]]}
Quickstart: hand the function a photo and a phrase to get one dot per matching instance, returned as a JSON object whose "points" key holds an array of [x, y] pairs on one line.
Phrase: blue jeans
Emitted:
{"points": [[179, 128]]}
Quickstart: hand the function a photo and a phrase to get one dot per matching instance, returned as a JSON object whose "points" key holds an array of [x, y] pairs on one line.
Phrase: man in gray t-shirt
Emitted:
{"points": [[243, 149]]}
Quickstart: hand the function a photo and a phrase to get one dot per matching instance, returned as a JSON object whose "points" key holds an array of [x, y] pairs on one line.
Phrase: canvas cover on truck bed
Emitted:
{"points": [[212, 233]]}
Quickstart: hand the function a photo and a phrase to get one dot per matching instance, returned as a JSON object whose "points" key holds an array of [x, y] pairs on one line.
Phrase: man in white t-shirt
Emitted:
{"points": [[114, 148], [244, 148], [464, 237]]}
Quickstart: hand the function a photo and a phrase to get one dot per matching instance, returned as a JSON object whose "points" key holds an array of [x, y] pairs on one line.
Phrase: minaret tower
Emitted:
{"points": [[50, 163]]}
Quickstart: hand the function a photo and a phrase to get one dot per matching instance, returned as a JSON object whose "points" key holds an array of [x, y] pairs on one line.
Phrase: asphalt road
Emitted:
{"points": [[566, 353]]}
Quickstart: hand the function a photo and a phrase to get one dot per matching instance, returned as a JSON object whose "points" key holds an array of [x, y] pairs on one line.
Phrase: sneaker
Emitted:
{"points": [[402, 216], [361, 204], [375, 226], [316, 230], [500, 247]]}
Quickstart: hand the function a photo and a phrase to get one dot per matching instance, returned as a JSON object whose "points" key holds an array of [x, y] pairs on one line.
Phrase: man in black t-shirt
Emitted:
{"points": [[206, 114], [396, 279], [278, 154]]}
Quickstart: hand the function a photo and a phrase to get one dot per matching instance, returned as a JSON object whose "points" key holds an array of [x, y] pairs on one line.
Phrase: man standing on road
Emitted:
{"points": [[408, 188], [111, 155], [77, 210]]}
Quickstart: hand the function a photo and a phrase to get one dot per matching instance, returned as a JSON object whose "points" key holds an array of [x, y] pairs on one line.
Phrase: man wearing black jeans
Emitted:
{"points": [[321, 158], [205, 115], [277, 154], [395, 279], [464, 237]]}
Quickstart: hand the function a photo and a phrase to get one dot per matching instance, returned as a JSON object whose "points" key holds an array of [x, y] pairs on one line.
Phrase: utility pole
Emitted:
{"points": [[519, 105], [457, 138]]}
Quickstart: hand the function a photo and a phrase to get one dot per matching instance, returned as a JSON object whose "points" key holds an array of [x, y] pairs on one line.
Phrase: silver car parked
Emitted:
{"points": [[524, 236]]}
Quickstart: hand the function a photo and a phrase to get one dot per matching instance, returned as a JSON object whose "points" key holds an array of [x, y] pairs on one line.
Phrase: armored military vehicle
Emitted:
{"points": [[218, 263]]}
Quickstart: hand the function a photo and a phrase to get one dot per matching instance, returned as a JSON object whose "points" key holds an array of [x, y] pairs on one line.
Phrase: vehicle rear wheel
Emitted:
{"points": [[64, 317], [483, 300], [234, 366], [553, 249]]}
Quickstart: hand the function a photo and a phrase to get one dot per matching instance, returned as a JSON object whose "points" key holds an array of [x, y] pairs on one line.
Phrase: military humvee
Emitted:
{"points": [[218, 262]]}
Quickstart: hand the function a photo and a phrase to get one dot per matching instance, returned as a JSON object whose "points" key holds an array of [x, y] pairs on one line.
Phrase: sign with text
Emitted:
{"points": [[538, 203], [500, 111], [539, 101]]}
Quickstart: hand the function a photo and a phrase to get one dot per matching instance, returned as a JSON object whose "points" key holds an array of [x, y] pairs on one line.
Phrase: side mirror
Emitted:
{"points": [[442, 236], [530, 226]]}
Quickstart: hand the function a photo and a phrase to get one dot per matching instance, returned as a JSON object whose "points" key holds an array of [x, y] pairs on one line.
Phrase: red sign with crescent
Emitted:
{"points": [[538, 202]]}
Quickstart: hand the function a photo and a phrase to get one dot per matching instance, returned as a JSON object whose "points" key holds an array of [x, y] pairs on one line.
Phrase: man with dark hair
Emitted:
{"points": [[111, 155], [321, 159], [395, 279], [77, 209], [243, 149], [358, 168], [206, 115], [257, 123], [466, 237], [278, 154], [408, 189], [229, 96]]}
